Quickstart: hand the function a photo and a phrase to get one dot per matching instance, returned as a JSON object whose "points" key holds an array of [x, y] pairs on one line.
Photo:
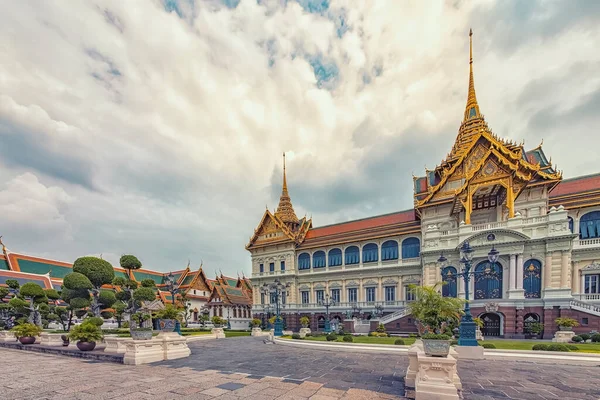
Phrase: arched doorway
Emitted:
{"points": [[321, 323], [488, 281], [336, 323], [528, 321], [491, 324]]}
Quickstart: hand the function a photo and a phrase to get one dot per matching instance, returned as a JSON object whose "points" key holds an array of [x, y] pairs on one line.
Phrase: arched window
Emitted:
{"points": [[370, 253], [449, 279], [304, 261], [319, 259], [389, 250], [411, 248], [571, 224], [335, 257], [589, 225], [488, 280], [532, 279], [352, 255]]}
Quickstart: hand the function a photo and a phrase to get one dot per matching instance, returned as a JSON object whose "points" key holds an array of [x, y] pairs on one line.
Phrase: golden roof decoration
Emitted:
{"points": [[285, 210]]}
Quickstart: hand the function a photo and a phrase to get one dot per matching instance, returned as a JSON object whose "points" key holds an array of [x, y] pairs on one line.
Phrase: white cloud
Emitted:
{"points": [[168, 131]]}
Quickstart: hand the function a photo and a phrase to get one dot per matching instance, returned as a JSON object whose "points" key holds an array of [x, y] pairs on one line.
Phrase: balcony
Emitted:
{"points": [[366, 306]]}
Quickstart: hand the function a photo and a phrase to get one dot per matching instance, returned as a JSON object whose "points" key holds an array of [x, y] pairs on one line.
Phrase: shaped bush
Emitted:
{"points": [[540, 347], [348, 338], [332, 337], [585, 336], [577, 339], [399, 342], [296, 336], [596, 338], [488, 346]]}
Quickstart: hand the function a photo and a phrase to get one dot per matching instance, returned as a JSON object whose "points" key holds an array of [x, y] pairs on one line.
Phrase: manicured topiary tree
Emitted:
{"points": [[119, 308], [36, 295], [99, 272], [130, 263]]}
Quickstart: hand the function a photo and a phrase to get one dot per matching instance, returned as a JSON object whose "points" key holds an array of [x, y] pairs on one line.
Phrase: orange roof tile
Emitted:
{"points": [[362, 224], [577, 185]]}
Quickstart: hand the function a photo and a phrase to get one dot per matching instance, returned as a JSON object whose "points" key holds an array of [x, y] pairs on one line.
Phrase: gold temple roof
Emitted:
{"points": [[285, 211]]}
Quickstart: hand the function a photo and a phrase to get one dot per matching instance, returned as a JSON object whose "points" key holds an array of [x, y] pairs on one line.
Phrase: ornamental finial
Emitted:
{"points": [[472, 109]]}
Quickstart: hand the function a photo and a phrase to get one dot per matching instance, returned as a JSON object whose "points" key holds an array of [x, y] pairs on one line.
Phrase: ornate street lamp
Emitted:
{"points": [[467, 325], [356, 308], [379, 310], [277, 292], [327, 302]]}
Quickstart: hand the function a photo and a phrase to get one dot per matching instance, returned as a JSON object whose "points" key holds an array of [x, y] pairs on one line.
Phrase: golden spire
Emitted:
{"points": [[285, 210], [472, 109]]}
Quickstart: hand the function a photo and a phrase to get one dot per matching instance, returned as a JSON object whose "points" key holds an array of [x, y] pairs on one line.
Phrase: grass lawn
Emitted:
{"points": [[366, 339], [236, 333]]}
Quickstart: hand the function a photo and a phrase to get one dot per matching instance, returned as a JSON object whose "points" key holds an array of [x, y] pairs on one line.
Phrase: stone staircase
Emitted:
{"points": [[585, 307], [394, 316]]}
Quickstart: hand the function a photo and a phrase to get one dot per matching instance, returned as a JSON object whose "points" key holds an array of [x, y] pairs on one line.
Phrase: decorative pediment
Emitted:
{"points": [[496, 238], [270, 229], [591, 267], [411, 279], [319, 286], [390, 281], [303, 287], [352, 284], [370, 282], [335, 285]]}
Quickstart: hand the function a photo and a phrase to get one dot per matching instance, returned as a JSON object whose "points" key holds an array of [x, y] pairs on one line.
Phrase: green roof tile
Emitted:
{"points": [[36, 267], [3, 264], [140, 276], [188, 279], [231, 282]]}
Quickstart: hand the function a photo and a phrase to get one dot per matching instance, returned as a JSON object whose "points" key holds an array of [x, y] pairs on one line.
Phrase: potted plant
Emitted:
{"points": [[86, 334], [217, 321], [256, 323], [534, 329], [434, 313], [137, 329], [566, 324], [168, 316], [304, 321], [26, 332]]}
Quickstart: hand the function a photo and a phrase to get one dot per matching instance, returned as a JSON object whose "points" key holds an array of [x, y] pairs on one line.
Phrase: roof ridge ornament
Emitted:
{"points": [[472, 107]]}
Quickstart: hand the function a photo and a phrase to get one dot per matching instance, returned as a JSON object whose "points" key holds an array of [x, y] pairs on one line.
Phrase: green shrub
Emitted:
{"points": [[169, 312], [308, 335], [26, 330], [130, 262], [380, 328], [370, 334], [332, 337], [540, 347], [585, 336], [296, 336], [94, 320], [31, 289], [86, 332], [256, 322], [399, 342], [98, 271], [557, 347], [577, 339], [125, 324], [348, 338], [596, 338], [488, 346], [572, 347], [413, 335], [304, 321]]}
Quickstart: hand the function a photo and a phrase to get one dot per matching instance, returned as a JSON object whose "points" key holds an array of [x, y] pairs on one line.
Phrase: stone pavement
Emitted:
{"points": [[28, 375]]}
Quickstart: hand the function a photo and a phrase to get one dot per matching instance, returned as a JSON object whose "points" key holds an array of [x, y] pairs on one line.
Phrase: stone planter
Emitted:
{"points": [[7, 336], [478, 334], [565, 328], [256, 331], [166, 325], [218, 332], [436, 348], [140, 335], [86, 346], [27, 340], [304, 331], [563, 336], [51, 339]]}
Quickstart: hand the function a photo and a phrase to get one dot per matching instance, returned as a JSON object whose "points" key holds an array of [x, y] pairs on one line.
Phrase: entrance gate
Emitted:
{"points": [[491, 324]]}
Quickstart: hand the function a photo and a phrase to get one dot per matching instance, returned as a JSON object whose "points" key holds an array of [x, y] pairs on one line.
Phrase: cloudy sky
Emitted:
{"points": [[156, 127]]}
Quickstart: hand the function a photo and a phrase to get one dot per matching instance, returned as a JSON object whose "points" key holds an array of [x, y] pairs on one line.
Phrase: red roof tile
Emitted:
{"points": [[576, 185], [361, 224]]}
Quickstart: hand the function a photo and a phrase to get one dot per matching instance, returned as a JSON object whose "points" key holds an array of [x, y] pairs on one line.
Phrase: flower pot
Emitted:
{"points": [[436, 348], [166, 325], [565, 328], [141, 335], [86, 346], [27, 340]]}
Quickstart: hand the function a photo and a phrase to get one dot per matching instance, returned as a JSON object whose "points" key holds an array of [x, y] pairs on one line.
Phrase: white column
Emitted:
{"points": [[547, 271], [564, 269], [519, 275], [512, 272], [461, 286]]}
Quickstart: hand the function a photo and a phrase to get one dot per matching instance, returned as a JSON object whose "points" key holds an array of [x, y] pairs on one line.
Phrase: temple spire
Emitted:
{"points": [[472, 108], [285, 210]]}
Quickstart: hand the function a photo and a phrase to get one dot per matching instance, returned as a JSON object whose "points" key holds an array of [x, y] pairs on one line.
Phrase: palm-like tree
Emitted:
{"points": [[432, 310]]}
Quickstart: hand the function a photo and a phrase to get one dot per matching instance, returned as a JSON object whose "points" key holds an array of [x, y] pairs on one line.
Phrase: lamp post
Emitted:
{"points": [[379, 310], [173, 287], [356, 308], [327, 302], [277, 291], [267, 309], [467, 325]]}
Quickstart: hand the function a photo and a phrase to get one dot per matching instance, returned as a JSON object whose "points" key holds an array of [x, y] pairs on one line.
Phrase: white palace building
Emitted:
{"points": [[488, 191]]}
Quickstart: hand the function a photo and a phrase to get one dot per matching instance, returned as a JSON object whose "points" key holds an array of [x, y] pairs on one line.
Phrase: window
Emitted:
{"points": [[335, 295], [370, 294], [409, 294], [488, 281], [272, 267], [319, 259], [411, 248], [304, 261], [320, 295], [273, 299], [449, 279], [352, 255], [262, 298], [585, 321], [571, 224], [335, 257], [262, 268], [591, 284], [352, 295], [532, 279], [283, 265], [305, 297], [370, 253], [283, 296], [589, 225], [389, 250], [390, 293]]}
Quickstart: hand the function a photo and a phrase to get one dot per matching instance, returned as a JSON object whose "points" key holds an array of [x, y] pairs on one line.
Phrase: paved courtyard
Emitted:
{"points": [[244, 367]]}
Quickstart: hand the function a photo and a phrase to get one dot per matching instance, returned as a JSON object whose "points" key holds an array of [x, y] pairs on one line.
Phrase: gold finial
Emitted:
{"points": [[284, 178], [472, 109], [285, 210]]}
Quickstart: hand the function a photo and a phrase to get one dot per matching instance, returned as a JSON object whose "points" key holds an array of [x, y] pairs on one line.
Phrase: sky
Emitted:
{"points": [[157, 128]]}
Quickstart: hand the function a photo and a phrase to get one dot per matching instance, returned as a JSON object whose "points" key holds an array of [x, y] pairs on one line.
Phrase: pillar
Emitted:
{"points": [[461, 287], [519, 275], [576, 279], [564, 269], [512, 272], [547, 273]]}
